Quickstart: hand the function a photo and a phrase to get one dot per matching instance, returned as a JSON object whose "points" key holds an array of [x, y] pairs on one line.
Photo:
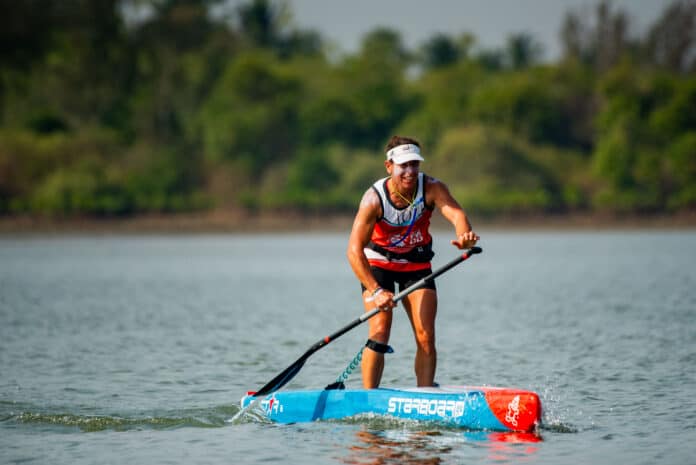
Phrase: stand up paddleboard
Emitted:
{"points": [[478, 408]]}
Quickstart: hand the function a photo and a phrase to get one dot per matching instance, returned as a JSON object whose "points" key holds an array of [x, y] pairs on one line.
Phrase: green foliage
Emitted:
{"points": [[78, 191], [532, 103], [523, 51], [440, 51], [328, 180], [312, 171], [445, 98], [181, 109], [251, 115], [681, 172], [27, 159], [644, 138], [492, 171]]}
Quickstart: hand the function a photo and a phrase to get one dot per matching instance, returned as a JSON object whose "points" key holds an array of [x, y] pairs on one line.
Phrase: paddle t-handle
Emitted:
{"points": [[286, 375]]}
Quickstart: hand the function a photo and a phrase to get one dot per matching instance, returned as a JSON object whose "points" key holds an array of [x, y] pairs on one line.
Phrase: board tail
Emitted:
{"points": [[517, 410]]}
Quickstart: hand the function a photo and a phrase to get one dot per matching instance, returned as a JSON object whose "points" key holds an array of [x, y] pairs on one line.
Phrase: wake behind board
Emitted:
{"points": [[471, 407]]}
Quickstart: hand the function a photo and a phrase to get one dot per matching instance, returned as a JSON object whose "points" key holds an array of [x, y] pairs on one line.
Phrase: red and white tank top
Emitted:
{"points": [[400, 230]]}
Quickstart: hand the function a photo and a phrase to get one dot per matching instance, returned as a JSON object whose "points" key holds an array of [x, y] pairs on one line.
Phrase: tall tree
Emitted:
{"points": [[600, 42], [671, 42], [523, 51], [260, 22], [439, 51]]}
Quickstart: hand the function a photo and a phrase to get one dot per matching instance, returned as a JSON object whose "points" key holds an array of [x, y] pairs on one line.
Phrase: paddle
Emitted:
{"points": [[286, 375]]}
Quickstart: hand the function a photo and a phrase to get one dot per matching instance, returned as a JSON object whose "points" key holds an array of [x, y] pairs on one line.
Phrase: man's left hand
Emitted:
{"points": [[466, 240]]}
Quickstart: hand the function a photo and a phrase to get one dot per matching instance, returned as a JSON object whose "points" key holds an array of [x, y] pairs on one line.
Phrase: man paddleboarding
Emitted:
{"points": [[390, 243]]}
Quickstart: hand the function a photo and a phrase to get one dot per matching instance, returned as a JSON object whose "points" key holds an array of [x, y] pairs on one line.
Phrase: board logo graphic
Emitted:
{"points": [[423, 406], [272, 405], [513, 411]]}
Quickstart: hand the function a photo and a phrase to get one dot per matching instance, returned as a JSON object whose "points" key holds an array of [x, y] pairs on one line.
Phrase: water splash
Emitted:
{"points": [[252, 413], [556, 414]]}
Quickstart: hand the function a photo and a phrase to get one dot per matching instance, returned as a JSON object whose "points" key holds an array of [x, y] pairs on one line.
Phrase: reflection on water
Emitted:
{"points": [[505, 446], [396, 447], [381, 447]]}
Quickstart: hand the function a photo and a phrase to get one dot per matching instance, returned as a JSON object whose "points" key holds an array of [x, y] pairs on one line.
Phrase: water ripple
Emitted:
{"points": [[210, 418]]}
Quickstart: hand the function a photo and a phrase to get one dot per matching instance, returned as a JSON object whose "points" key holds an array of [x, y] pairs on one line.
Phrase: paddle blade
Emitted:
{"points": [[282, 379]]}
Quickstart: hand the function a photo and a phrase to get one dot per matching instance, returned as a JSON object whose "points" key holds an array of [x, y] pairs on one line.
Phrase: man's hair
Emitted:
{"points": [[395, 141]]}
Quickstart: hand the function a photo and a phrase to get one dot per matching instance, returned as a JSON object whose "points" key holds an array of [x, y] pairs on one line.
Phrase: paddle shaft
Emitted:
{"points": [[290, 372]]}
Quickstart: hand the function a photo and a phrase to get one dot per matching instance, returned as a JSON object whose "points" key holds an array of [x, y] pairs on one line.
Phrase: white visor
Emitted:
{"points": [[404, 153]]}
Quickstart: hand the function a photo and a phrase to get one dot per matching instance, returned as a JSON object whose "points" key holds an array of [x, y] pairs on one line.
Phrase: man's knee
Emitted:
{"points": [[380, 332], [426, 342]]}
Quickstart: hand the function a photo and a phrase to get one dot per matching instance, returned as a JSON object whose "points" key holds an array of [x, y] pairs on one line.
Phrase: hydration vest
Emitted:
{"points": [[401, 240]]}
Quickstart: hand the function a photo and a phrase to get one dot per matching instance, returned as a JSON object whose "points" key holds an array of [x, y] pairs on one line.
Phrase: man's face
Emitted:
{"points": [[405, 173]]}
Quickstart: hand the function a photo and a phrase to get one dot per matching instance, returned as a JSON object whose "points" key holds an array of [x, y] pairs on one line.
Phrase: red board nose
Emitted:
{"points": [[517, 410]]}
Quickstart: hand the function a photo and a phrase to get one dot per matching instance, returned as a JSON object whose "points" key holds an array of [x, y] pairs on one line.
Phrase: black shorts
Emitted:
{"points": [[387, 279]]}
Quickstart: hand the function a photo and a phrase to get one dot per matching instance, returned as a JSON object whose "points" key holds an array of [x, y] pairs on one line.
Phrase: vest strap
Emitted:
{"points": [[420, 254]]}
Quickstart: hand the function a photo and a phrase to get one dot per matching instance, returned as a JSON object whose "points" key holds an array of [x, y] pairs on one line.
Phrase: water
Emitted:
{"points": [[129, 349]]}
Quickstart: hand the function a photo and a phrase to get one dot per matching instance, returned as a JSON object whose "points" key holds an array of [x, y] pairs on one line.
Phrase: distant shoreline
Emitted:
{"points": [[224, 222]]}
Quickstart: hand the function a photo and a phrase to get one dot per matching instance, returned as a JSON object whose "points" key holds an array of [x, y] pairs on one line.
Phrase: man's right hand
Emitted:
{"points": [[382, 299]]}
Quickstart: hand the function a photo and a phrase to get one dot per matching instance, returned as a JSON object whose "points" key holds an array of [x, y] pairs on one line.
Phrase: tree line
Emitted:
{"points": [[122, 107]]}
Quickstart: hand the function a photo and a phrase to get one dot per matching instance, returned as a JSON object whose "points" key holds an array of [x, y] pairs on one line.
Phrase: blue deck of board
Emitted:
{"points": [[459, 407]]}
